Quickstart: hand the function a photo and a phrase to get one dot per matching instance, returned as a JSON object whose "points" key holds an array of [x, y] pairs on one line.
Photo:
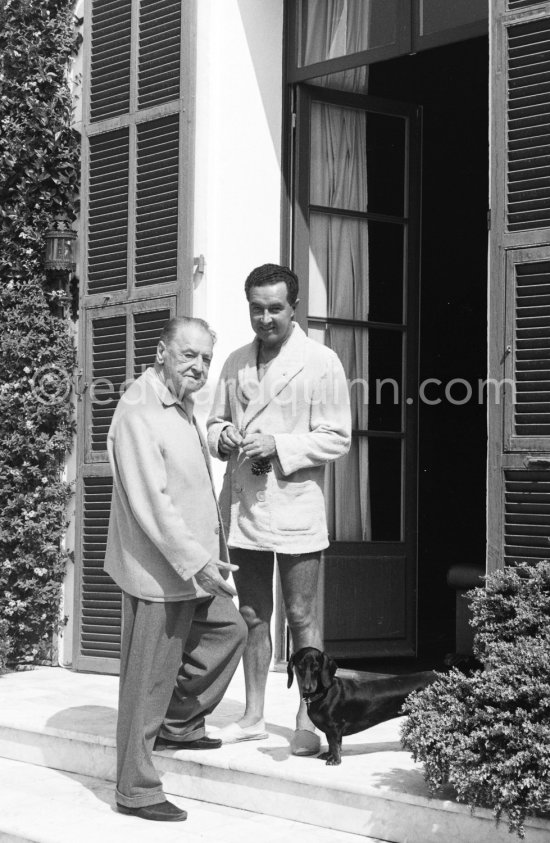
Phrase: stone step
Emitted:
{"points": [[41, 805], [66, 721]]}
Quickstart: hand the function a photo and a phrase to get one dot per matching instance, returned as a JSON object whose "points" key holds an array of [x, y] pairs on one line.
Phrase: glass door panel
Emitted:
{"points": [[328, 29], [344, 252], [357, 159]]}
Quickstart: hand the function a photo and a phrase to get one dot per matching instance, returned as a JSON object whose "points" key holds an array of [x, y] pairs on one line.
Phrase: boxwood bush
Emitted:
{"points": [[39, 179], [488, 734]]}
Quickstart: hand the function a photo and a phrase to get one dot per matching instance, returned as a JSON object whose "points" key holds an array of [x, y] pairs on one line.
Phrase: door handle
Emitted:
{"points": [[537, 462]]}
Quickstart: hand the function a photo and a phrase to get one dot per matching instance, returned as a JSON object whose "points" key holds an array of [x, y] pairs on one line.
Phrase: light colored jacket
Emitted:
{"points": [[164, 524], [303, 401]]}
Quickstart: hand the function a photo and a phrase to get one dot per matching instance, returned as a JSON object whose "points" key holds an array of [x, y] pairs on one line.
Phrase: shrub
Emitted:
{"points": [[488, 734], [39, 175], [5, 645]]}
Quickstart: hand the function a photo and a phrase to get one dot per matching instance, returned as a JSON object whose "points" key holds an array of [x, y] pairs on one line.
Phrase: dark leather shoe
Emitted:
{"points": [[161, 812], [200, 743]]}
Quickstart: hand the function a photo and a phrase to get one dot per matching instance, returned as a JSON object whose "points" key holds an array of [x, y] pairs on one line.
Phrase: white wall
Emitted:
{"points": [[238, 176], [238, 162]]}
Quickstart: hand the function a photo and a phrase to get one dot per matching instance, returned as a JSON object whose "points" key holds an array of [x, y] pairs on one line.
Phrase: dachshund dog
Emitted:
{"points": [[343, 706]]}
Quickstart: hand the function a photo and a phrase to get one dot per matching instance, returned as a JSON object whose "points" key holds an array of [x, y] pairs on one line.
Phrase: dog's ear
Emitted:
{"points": [[328, 669], [290, 670]]}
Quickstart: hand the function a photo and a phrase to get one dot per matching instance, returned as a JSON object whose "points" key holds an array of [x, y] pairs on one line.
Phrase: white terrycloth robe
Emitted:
{"points": [[303, 401]]}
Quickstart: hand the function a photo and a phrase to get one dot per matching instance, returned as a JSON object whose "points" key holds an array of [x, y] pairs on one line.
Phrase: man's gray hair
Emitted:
{"points": [[171, 328]]}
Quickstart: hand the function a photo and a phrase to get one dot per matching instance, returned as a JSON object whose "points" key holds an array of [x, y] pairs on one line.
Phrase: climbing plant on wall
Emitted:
{"points": [[39, 180]]}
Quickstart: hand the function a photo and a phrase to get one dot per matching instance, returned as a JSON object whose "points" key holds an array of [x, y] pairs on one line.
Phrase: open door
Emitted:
{"points": [[355, 249]]}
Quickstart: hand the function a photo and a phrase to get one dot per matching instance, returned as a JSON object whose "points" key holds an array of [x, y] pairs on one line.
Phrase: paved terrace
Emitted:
{"points": [[64, 721]]}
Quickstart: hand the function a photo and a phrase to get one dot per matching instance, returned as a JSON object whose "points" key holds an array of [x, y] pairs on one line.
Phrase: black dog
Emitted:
{"points": [[343, 706]]}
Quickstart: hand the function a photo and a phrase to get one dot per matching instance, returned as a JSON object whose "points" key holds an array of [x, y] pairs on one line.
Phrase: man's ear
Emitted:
{"points": [[159, 356], [290, 670]]}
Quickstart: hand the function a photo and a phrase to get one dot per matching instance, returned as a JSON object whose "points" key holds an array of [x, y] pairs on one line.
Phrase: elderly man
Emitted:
{"points": [[281, 412], [182, 636]]}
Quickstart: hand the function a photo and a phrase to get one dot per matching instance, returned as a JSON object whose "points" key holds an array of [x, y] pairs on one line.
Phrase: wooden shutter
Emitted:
{"points": [[159, 52], [108, 370], [519, 285], [526, 515], [101, 609], [136, 267], [157, 201], [108, 212], [110, 58]]}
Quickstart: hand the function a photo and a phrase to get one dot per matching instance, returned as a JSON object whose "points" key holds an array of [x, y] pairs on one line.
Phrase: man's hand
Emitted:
{"points": [[259, 445], [229, 440], [210, 579]]}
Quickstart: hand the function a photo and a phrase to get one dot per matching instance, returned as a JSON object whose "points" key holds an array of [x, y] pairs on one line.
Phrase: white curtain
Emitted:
{"points": [[335, 28], [338, 28], [339, 289]]}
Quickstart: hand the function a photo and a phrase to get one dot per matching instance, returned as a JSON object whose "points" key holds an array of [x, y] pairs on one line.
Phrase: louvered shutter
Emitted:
{"points": [[108, 348], [528, 193], [110, 58], [526, 515], [101, 610], [519, 286], [136, 262], [157, 201], [159, 52], [108, 212]]}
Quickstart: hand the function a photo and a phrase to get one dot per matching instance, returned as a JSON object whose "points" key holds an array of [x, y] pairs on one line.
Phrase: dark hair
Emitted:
{"points": [[272, 273], [170, 329]]}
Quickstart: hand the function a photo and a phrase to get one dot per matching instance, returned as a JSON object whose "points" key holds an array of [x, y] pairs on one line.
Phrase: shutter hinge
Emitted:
{"points": [[80, 386], [537, 462], [489, 220]]}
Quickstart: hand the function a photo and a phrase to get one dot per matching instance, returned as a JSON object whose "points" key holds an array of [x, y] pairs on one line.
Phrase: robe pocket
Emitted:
{"points": [[297, 508]]}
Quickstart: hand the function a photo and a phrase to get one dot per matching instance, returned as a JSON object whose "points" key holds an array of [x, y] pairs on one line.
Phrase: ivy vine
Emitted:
{"points": [[39, 180]]}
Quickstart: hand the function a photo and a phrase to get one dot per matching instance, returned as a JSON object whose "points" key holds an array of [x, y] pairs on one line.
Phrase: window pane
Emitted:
{"points": [[385, 379], [385, 480], [357, 160], [346, 491], [338, 267], [386, 137], [338, 169], [435, 16], [355, 269], [364, 492], [332, 28], [351, 346], [386, 272], [373, 362]]}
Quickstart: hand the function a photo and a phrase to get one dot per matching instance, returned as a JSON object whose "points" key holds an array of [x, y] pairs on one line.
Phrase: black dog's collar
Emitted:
{"points": [[314, 697]]}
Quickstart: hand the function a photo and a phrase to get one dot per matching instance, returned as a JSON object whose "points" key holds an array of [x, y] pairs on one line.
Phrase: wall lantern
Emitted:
{"points": [[60, 247], [60, 264]]}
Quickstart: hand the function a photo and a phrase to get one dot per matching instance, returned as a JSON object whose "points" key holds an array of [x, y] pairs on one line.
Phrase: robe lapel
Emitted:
{"points": [[247, 378], [280, 372]]}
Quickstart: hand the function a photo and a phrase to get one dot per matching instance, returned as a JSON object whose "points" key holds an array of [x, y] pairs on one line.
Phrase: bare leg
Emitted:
{"points": [[299, 579], [254, 583]]}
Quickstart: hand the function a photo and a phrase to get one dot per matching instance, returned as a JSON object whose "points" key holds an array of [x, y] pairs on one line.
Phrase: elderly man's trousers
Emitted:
{"points": [[176, 662]]}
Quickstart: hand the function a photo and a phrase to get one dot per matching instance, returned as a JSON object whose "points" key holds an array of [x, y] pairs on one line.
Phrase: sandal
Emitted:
{"points": [[235, 733], [305, 742]]}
